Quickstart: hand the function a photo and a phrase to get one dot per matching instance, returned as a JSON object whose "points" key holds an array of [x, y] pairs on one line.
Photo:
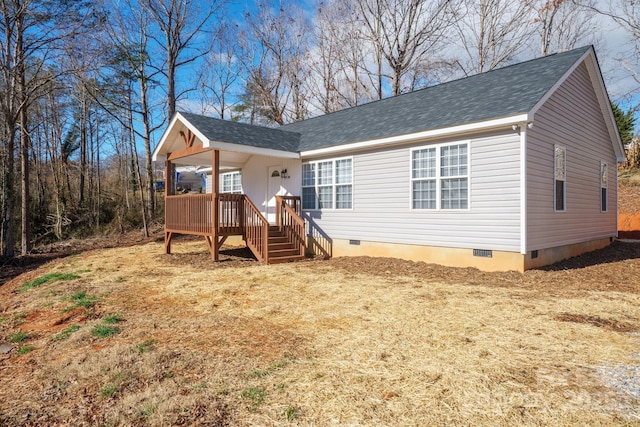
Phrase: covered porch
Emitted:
{"points": [[274, 231]]}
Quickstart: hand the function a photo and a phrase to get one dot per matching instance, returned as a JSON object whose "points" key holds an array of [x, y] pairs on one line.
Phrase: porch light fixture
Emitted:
{"points": [[283, 174]]}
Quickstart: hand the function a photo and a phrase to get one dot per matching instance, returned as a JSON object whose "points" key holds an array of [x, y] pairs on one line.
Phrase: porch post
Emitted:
{"points": [[215, 187], [168, 191]]}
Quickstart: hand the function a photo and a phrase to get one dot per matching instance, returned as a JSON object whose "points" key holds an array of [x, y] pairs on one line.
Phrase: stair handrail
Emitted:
{"points": [[290, 221], [256, 231]]}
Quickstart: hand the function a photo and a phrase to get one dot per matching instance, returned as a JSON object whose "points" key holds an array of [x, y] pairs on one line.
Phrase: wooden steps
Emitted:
{"points": [[281, 249]]}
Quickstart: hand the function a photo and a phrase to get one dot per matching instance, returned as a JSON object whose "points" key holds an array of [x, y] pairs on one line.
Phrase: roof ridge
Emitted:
{"points": [[402, 95]]}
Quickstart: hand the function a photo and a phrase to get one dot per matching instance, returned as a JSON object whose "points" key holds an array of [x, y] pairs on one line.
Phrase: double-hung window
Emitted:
{"points": [[327, 184], [560, 177], [231, 182], [603, 186], [440, 177]]}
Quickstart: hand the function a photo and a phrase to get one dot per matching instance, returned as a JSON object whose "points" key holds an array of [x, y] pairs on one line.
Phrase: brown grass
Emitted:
{"points": [[357, 341]]}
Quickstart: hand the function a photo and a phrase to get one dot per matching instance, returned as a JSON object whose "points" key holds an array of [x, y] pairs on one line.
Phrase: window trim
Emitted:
{"points": [[564, 182], [333, 185], [438, 178], [604, 185]]}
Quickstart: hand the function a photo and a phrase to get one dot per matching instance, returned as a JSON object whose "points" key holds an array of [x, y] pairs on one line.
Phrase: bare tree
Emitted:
{"points": [[274, 48], [339, 76], [220, 71], [562, 24], [405, 32], [492, 32], [179, 22]]}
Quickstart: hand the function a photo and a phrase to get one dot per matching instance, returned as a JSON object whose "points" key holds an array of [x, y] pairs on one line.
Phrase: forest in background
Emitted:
{"points": [[86, 87]]}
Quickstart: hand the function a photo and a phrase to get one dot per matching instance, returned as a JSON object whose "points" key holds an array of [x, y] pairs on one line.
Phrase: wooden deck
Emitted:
{"points": [[238, 216]]}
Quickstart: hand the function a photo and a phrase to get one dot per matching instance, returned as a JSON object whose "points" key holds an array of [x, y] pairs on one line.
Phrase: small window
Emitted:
{"points": [[231, 182], [560, 177], [603, 186]]}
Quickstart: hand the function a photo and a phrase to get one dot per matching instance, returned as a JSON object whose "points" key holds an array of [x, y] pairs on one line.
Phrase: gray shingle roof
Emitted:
{"points": [[503, 92], [499, 93], [244, 134]]}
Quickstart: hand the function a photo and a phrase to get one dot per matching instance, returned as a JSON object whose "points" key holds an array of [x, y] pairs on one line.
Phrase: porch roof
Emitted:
{"points": [[235, 141]]}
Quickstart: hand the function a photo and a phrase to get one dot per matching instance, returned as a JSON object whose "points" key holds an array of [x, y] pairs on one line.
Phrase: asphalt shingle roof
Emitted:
{"points": [[503, 92], [499, 93], [244, 134]]}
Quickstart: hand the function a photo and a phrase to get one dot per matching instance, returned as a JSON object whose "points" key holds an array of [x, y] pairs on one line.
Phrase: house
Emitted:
{"points": [[510, 169]]}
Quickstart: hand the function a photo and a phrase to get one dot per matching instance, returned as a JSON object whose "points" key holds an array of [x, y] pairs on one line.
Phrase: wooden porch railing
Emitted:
{"points": [[293, 201], [237, 215], [231, 214], [290, 221], [256, 231], [190, 213]]}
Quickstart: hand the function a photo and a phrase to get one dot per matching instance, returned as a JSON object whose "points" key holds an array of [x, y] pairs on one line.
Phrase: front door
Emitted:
{"points": [[274, 188]]}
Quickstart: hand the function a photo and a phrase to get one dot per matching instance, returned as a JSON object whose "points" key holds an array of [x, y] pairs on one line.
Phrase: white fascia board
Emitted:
{"points": [[605, 107], [206, 143], [157, 152], [156, 156], [420, 136], [238, 148], [560, 81], [589, 57]]}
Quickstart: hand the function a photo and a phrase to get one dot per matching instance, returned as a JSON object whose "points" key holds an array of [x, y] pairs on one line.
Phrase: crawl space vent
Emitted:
{"points": [[485, 253]]}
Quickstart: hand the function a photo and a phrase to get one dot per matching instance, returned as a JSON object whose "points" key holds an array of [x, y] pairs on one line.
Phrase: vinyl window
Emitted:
{"points": [[231, 182], [604, 170], [440, 177], [560, 178], [327, 184]]}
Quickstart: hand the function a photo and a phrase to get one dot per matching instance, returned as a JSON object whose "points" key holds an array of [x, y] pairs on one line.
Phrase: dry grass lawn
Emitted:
{"points": [[361, 341]]}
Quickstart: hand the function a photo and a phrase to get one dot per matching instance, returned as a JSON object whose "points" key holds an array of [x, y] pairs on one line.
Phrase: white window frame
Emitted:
{"points": [[555, 179], [604, 190], [438, 178], [333, 185], [235, 177]]}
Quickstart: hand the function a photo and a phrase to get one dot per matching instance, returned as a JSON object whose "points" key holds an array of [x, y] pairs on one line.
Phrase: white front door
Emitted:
{"points": [[274, 188]]}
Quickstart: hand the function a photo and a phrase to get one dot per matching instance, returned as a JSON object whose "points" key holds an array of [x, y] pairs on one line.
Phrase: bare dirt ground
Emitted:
{"points": [[122, 335], [358, 341]]}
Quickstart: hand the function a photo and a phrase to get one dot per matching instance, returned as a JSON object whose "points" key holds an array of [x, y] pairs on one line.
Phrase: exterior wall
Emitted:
{"points": [[255, 180], [570, 118], [382, 202]]}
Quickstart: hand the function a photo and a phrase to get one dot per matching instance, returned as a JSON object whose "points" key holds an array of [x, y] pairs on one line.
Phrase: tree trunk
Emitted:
{"points": [[151, 207], [24, 133]]}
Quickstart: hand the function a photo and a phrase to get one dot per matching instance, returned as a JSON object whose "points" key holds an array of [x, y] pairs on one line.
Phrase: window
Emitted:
{"points": [[327, 184], [603, 186], [560, 177], [231, 182], [441, 170]]}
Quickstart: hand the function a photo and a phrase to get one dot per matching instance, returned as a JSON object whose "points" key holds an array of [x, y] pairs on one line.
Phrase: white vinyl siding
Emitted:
{"points": [[255, 183], [572, 119], [383, 193], [441, 170], [327, 184]]}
